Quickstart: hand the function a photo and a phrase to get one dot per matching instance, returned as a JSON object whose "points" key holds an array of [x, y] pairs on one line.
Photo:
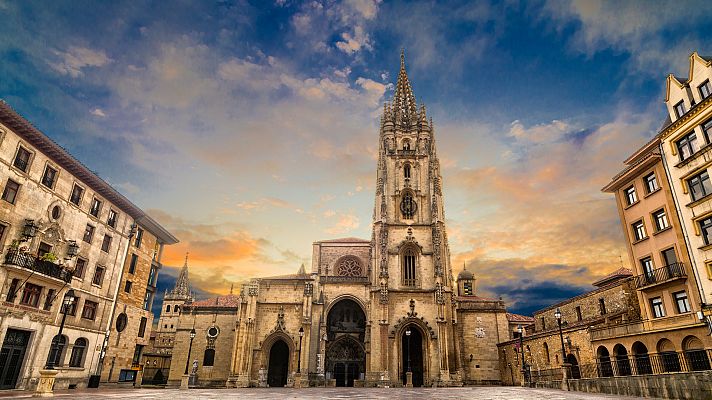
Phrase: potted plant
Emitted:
{"points": [[51, 257]]}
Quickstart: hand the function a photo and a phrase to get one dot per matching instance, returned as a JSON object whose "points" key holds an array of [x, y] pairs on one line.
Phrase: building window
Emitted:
{"points": [[95, 207], [132, 264], [705, 89], [89, 310], [148, 300], [630, 196], [176, 308], [152, 276], [546, 353], [680, 108], [669, 256], [687, 146], [43, 249], [139, 236], [12, 290], [639, 230], [49, 300], [467, 286], [106, 243], [111, 221], [656, 303], [543, 324], [707, 130], [406, 171], [31, 295], [168, 308], [98, 278], [88, 233], [602, 306], [647, 264], [142, 327], [700, 186], [661, 220], [9, 194], [209, 358], [79, 268], [76, 359], [49, 177], [77, 192], [651, 183], [22, 159], [56, 350], [56, 212], [408, 206], [409, 267], [706, 230], [127, 287], [681, 302], [579, 317]]}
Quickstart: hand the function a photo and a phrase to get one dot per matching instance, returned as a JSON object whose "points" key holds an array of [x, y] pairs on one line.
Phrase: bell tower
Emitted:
{"points": [[411, 272]]}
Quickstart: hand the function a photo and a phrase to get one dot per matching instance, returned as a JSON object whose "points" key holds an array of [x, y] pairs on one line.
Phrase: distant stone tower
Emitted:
{"points": [[173, 301], [413, 303]]}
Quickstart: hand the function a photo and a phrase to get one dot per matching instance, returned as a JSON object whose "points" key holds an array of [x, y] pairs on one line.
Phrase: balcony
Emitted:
{"points": [[636, 327], [28, 261], [661, 275]]}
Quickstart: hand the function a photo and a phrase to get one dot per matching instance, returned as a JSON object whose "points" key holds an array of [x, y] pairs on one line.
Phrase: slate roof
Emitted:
{"points": [[615, 275], [228, 301], [511, 317]]}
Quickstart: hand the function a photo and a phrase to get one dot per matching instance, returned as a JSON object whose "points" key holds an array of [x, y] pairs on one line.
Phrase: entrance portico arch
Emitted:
{"points": [[413, 354], [345, 350]]}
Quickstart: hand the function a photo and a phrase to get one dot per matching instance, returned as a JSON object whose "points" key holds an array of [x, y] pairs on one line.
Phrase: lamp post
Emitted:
{"points": [[520, 329], [557, 315], [66, 302], [185, 380], [409, 373], [564, 365], [299, 359]]}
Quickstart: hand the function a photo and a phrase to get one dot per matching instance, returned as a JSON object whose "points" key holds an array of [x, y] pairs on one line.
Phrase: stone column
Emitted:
{"points": [[45, 387]]}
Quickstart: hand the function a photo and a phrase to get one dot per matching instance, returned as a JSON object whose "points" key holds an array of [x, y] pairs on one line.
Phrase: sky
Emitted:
{"points": [[249, 129]]}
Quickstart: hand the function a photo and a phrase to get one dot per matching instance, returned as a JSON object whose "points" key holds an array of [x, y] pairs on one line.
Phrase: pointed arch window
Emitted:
{"points": [[406, 144], [408, 261], [406, 171], [209, 358], [408, 205]]}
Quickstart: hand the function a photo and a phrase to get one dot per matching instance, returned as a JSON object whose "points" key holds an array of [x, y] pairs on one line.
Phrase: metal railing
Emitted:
{"points": [[645, 364], [668, 272], [28, 261]]}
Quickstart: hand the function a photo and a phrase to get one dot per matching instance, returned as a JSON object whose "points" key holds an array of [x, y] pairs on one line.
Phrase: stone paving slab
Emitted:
{"points": [[469, 393]]}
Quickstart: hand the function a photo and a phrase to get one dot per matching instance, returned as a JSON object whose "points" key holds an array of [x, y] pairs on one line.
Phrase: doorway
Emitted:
{"points": [[412, 355], [278, 367], [12, 355]]}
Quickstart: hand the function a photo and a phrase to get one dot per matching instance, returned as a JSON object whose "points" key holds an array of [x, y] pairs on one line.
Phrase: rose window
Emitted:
{"points": [[349, 267]]}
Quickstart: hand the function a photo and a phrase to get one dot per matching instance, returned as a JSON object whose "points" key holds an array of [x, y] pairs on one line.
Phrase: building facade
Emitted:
{"points": [[685, 148], [61, 228], [368, 311]]}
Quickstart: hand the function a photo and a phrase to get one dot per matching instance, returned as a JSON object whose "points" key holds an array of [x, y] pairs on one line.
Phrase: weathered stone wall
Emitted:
{"points": [[478, 334]]}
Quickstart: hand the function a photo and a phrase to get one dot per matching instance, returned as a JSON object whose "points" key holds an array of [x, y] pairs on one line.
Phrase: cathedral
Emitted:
{"points": [[382, 312]]}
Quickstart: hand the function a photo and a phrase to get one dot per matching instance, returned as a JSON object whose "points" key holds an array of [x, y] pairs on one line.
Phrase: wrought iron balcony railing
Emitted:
{"points": [[666, 273], [28, 261]]}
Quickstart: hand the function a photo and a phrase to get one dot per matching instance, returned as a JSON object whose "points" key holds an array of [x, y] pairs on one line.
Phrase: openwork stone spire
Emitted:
{"points": [[405, 111], [181, 290]]}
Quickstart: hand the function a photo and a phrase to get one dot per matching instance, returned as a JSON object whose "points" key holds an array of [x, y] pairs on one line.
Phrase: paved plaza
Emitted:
{"points": [[479, 393]]}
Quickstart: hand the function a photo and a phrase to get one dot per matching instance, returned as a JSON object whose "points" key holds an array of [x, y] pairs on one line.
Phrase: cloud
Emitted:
{"points": [[75, 59], [98, 112], [345, 223]]}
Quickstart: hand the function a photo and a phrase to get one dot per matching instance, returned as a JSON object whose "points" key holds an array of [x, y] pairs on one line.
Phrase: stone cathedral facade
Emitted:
{"points": [[368, 311]]}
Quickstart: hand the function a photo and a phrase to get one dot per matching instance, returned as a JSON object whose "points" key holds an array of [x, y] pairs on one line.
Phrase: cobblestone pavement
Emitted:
{"points": [[480, 393]]}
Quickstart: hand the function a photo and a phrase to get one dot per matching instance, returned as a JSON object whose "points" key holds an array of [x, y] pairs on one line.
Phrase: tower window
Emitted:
{"points": [[468, 288], [409, 267], [408, 206], [406, 145], [406, 171]]}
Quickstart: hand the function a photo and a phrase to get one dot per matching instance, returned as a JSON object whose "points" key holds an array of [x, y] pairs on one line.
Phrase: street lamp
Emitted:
{"points": [[29, 231], [299, 360], [520, 329], [190, 349], [557, 315], [407, 336], [66, 302], [72, 249]]}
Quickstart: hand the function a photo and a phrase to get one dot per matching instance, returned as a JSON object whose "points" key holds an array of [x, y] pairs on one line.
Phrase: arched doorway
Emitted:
{"points": [[622, 362], [604, 362], [412, 354], [345, 355], [642, 359], [575, 370], [668, 356], [278, 367]]}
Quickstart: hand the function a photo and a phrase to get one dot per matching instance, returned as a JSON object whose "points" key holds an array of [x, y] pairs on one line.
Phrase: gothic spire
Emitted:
{"points": [[182, 286], [404, 107]]}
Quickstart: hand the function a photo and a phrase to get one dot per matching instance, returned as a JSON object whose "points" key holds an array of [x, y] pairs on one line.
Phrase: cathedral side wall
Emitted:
{"points": [[478, 333]]}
